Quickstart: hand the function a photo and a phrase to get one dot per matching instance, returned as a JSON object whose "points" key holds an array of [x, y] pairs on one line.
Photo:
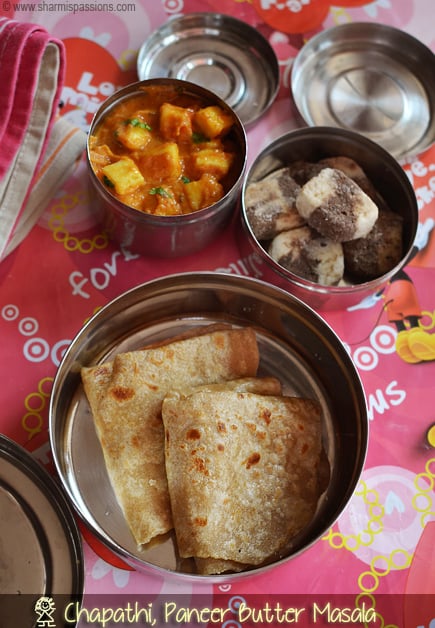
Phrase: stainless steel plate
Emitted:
{"points": [[40, 547], [370, 78], [218, 52], [296, 346]]}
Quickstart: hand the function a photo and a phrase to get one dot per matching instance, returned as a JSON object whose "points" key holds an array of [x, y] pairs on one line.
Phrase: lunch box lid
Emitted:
{"points": [[219, 52], [370, 78], [41, 566]]}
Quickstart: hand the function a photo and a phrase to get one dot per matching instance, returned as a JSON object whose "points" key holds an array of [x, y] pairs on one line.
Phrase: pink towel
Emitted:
{"points": [[23, 72], [32, 67]]}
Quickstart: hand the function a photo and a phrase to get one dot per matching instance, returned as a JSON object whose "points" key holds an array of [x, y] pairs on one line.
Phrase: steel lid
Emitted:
{"points": [[370, 78], [218, 52], [40, 546]]}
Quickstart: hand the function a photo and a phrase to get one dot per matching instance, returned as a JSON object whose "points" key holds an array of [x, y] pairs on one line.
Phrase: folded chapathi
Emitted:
{"points": [[126, 397]]}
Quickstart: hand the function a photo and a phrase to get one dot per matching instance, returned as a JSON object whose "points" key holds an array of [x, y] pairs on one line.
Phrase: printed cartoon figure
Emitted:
{"points": [[44, 608], [413, 344], [402, 305]]}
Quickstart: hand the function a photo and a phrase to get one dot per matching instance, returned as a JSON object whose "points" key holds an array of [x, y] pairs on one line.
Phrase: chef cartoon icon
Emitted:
{"points": [[44, 609], [402, 306]]}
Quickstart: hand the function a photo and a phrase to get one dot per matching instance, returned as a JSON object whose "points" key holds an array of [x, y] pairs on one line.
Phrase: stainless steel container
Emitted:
{"points": [[385, 173], [41, 566], [295, 344], [371, 78], [219, 52], [167, 236]]}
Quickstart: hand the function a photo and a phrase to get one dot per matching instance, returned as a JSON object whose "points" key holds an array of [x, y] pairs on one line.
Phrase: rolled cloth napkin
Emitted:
{"points": [[38, 148]]}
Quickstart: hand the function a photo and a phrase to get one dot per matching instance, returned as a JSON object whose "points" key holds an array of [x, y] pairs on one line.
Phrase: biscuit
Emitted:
{"points": [[271, 204], [309, 255], [302, 171], [354, 171], [335, 206], [377, 253]]}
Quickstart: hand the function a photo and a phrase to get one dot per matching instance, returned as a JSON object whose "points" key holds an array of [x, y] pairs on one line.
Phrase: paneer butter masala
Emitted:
{"points": [[165, 152]]}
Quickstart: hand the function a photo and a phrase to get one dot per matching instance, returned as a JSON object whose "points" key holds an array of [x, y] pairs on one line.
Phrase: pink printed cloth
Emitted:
{"points": [[32, 68]]}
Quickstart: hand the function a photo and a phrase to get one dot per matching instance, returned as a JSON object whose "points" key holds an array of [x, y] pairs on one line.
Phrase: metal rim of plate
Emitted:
{"points": [[218, 52], [41, 550], [296, 345], [370, 78]]}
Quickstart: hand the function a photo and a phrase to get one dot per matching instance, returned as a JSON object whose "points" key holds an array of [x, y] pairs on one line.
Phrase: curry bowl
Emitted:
{"points": [[295, 345], [301, 155], [166, 160]]}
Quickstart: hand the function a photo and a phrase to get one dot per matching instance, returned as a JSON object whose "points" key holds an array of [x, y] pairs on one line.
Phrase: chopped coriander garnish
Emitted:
{"points": [[108, 182], [160, 191], [139, 123], [185, 179], [198, 138]]}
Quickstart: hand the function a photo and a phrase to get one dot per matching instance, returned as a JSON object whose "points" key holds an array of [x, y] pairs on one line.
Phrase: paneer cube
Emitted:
{"points": [[211, 161], [162, 162], [123, 175], [134, 199], [101, 156], [133, 136], [166, 205], [203, 143], [213, 121], [204, 192], [175, 122]]}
